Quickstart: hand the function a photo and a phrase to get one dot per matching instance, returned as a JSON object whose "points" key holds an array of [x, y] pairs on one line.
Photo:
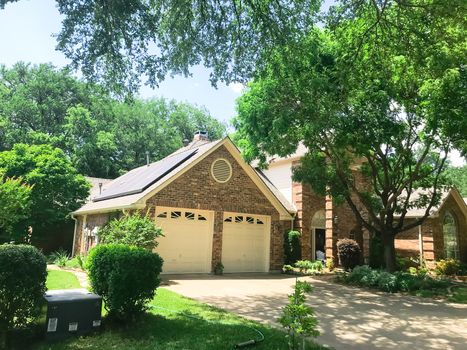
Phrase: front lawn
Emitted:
{"points": [[61, 280], [189, 325], [459, 295]]}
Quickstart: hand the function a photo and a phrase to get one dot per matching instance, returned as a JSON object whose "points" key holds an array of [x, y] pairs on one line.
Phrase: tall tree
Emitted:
{"points": [[103, 136], [119, 41], [57, 188], [14, 207], [371, 99]]}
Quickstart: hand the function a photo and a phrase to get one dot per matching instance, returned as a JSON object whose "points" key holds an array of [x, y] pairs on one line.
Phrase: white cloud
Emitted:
{"points": [[456, 158], [237, 87]]}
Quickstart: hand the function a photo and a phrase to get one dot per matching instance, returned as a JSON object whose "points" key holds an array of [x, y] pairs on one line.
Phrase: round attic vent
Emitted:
{"points": [[221, 170]]}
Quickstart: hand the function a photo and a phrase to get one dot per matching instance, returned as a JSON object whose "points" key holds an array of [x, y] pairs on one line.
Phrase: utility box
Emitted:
{"points": [[71, 311]]}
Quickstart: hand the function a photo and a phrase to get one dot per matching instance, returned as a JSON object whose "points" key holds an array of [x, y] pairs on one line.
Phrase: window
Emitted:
{"points": [[189, 215], [162, 215], [229, 219], [451, 247], [239, 219], [175, 214], [250, 220], [201, 217], [259, 222], [221, 170]]}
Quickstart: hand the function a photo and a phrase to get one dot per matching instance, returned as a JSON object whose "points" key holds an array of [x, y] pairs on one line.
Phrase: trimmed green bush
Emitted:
{"points": [[23, 272], [400, 281], [292, 247], [448, 267], [136, 230], [126, 277], [348, 252]]}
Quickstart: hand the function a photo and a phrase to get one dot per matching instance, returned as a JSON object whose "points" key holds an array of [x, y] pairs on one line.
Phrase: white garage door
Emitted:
{"points": [[245, 243], [187, 245]]}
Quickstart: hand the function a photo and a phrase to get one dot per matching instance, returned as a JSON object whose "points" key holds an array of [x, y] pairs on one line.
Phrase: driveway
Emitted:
{"points": [[349, 318]]}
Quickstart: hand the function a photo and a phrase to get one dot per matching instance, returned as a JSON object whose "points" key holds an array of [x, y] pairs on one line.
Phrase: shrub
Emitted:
{"points": [[298, 318], [287, 269], [23, 271], [126, 277], [447, 267], [307, 266], [348, 252], [59, 257], [135, 229], [292, 247], [400, 281], [330, 264]]}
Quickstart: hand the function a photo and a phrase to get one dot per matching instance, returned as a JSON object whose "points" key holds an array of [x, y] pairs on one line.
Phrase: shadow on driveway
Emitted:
{"points": [[349, 318]]}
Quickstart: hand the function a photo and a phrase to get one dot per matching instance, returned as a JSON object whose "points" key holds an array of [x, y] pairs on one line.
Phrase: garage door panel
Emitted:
{"points": [[187, 243], [245, 243]]}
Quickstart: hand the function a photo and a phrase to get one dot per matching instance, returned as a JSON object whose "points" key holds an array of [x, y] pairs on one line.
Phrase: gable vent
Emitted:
{"points": [[221, 170]]}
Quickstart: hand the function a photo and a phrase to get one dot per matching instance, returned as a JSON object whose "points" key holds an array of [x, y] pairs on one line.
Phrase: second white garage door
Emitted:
{"points": [[245, 243], [187, 245]]}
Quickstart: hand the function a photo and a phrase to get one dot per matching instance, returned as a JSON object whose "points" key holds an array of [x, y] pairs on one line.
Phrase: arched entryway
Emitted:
{"points": [[450, 235], [318, 235]]}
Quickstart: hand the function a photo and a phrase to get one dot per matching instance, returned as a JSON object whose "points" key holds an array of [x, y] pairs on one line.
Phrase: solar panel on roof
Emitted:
{"points": [[139, 179]]}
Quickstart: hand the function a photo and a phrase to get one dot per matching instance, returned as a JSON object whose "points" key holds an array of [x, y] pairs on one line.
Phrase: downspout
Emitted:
{"points": [[74, 235], [420, 244]]}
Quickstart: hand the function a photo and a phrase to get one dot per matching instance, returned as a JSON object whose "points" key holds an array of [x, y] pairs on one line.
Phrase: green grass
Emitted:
{"points": [[191, 325], [459, 295], [61, 280]]}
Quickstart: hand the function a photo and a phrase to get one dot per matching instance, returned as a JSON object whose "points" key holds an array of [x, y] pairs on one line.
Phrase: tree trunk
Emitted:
{"points": [[389, 251]]}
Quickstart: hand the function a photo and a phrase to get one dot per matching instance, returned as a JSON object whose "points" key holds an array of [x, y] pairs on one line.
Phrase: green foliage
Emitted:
{"points": [[393, 282], [447, 267], [14, 206], [349, 253], [159, 38], [330, 264], [219, 268], [298, 318], [23, 272], [102, 136], [59, 257], [57, 188], [307, 266], [457, 176], [292, 247], [380, 87], [126, 277], [135, 230], [288, 269]]}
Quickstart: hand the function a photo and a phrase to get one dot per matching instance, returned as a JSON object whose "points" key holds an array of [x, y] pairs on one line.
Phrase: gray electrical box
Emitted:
{"points": [[71, 311]]}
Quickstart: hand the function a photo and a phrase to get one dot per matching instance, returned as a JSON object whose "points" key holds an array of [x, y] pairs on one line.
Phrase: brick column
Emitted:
{"points": [[217, 239], [330, 244]]}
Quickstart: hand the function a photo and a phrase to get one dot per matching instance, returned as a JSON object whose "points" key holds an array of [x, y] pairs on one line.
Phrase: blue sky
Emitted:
{"points": [[27, 27]]}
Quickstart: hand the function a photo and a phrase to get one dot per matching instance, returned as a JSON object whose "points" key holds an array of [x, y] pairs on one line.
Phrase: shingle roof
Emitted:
{"points": [[95, 181], [419, 212], [131, 200], [287, 205]]}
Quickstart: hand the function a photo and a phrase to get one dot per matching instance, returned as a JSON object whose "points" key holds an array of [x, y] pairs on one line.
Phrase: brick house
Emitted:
{"points": [[237, 215], [212, 206], [443, 234]]}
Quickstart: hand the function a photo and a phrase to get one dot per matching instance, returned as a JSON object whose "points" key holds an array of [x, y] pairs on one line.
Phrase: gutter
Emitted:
{"points": [[420, 244], [74, 235]]}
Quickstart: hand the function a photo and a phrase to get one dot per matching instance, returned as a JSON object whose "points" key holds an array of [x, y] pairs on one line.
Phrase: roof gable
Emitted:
{"points": [[138, 200]]}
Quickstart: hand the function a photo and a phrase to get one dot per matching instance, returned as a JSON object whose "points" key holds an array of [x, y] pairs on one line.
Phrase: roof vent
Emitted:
{"points": [[221, 170]]}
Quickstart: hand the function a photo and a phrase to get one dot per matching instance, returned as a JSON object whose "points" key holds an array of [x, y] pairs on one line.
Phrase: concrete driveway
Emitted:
{"points": [[349, 318]]}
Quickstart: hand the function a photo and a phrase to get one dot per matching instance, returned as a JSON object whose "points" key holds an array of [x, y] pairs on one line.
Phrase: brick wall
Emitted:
{"points": [[196, 189], [407, 242]]}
